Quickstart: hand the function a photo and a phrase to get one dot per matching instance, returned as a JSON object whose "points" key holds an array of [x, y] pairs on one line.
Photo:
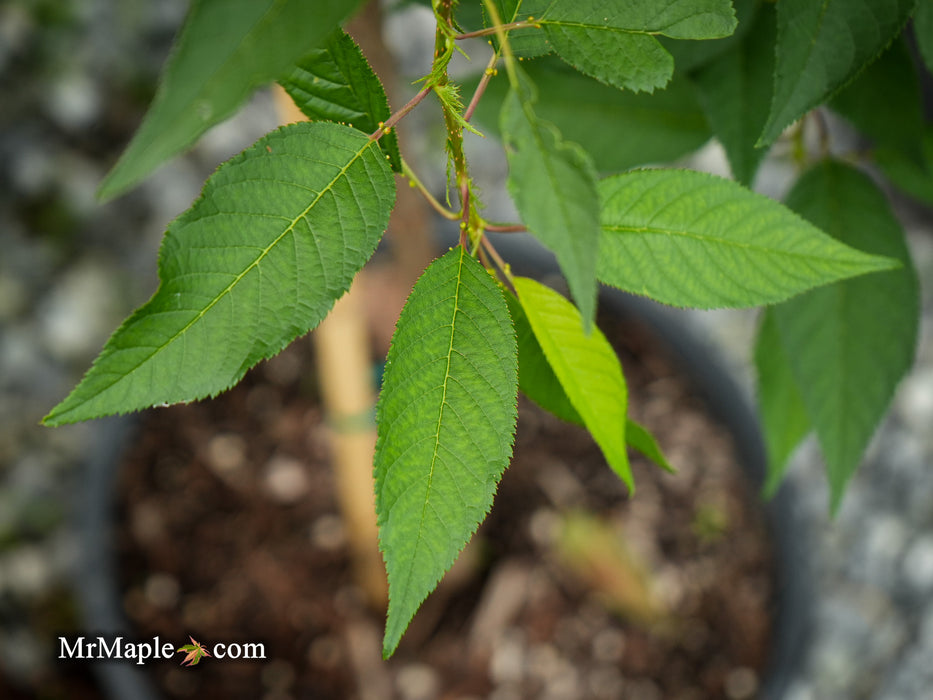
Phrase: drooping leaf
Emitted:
{"points": [[923, 31], [553, 183], [691, 239], [850, 343], [885, 103], [614, 42], [537, 381], [446, 419], [783, 414], [735, 92], [586, 366], [336, 83], [226, 49], [821, 47], [275, 238], [669, 123]]}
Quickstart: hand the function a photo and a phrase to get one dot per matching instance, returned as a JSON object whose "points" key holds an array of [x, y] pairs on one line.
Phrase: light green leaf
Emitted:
{"points": [[537, 381], [783, 414], [336, 83], [446, 419], [586, 366], [849, 344], [553, 183], [613, 41], [275, 238], [885, 102], [669, 123], [226, 49], [821, 47], [735, 92], [691, 239]]}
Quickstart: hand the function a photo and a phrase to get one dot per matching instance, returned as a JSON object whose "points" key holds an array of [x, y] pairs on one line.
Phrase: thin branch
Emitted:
{"points": [[481, 88], [437, 206], [489, 31], [387, 125], [500, 263], [506, 228]]}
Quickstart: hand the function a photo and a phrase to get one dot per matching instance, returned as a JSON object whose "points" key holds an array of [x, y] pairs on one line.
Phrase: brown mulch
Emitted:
{"points": [[230, 532]]}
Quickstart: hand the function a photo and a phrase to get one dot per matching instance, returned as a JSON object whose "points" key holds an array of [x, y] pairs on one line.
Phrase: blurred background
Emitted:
{"points": [[75, 80]]}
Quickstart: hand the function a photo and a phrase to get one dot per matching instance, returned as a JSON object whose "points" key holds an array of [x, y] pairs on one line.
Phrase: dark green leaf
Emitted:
{"points": [[639, 437], [821, 47], [553, 183], [850, 343], [276, 237], [690, 55], [923, 30], [336, 83], [783, 414], [885, 103], [613, 41], [669, 123], [914, 178], [446, 419], [226, 49], [735, 91]]}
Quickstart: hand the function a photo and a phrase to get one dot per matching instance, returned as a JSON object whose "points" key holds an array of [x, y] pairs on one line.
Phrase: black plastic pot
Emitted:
{"points": [[97, 584]]}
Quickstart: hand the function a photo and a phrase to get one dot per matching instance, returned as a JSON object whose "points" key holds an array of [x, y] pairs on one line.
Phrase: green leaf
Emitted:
{"points": [[923, 31], [537, 381], [885, 102], [783, 414], [553, 183], [275, 238], [821, 47], [226, 49], [336, 83], [691, 239], [849, 344], [446, 419], [586, 366], [690, 55], [669, 123], [639, 437], [902, 169], [735, 92], [613, 41]]}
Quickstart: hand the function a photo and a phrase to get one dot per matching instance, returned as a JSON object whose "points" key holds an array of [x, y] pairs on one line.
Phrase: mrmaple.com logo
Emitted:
{"points": [[118, 648]]}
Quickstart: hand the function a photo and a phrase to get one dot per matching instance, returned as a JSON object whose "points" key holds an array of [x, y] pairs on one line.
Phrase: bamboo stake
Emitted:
{"points": [[345, 370]]}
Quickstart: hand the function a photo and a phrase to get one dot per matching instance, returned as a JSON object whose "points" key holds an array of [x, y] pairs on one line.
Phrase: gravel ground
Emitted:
{"points": [[73, 83]]}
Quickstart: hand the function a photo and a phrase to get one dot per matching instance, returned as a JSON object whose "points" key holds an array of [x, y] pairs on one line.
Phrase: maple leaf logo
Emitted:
{"points": [[195, 652]]}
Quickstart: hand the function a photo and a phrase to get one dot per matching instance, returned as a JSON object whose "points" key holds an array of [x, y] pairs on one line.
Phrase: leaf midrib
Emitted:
{"points": [[440, 416], [726, 242]]}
